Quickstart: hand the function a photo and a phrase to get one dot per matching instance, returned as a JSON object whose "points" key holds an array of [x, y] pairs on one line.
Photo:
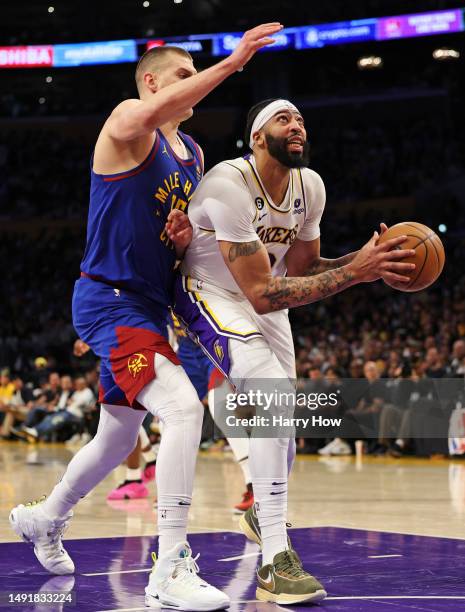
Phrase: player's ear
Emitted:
{"points": [[151, 81], [259, 138]]}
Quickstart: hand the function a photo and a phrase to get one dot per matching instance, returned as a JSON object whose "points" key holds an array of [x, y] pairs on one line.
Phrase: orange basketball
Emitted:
{"points": [[429, 255]]}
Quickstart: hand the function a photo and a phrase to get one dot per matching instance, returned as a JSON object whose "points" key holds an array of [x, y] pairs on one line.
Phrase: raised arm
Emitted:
{"points": [[135, 118], [249, 264]]}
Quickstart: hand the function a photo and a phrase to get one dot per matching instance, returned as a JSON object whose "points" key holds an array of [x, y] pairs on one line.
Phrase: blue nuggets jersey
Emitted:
{"points": [[127, 246]]}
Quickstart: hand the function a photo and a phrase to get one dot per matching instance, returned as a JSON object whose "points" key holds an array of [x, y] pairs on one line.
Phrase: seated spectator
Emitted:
{"points": [[433, 365], [337, 446], [457, 364], [46, 399], [53, 389], [356, 368], [17, 407], [427, 413], [81, 401], [374, 394], [7, 390], [66, 391], [393, 412]]}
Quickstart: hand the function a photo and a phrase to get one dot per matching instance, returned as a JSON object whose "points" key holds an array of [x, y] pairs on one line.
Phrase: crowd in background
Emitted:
{"points": [[397, 160], [42, 405]]}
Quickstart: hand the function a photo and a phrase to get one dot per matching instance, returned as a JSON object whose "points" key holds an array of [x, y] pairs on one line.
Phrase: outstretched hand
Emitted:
{"points": [[179, 230], [252, 41]]}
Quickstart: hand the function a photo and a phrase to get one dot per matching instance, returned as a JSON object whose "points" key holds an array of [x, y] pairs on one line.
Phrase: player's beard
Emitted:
{"points": [[277, 148]]}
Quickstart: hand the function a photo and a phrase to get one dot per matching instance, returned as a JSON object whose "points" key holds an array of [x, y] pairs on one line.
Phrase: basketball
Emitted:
{"points": [[429, 255]]}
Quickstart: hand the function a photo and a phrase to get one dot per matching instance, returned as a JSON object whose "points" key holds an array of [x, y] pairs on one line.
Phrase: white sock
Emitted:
{"points": [[271, 505], [172, 521], [133, 474]]}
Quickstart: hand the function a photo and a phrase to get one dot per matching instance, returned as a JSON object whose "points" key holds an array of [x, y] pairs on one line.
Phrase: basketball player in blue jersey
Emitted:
{"points": [[143, 167]]}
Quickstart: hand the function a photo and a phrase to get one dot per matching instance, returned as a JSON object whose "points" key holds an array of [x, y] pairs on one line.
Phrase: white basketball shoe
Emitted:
{"points": [[31, 524], [174, 583]]}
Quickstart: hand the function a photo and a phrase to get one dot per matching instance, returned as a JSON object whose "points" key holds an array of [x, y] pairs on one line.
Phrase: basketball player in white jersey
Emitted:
{"points": [[255, 253]]}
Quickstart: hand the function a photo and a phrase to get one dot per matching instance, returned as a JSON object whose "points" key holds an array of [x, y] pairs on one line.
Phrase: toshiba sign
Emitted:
{"points": [[26, 57]]}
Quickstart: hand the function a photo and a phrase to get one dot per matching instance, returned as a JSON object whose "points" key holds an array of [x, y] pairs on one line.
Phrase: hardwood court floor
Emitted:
{"points": [[411, 496]]}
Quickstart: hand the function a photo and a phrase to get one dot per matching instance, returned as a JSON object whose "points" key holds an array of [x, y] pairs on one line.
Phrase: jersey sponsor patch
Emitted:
{"points": [[299, 209]]}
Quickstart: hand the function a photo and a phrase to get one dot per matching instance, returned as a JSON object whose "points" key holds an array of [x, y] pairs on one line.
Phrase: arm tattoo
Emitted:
{"points": [[323, 265], [291, 292], [243, 249]]}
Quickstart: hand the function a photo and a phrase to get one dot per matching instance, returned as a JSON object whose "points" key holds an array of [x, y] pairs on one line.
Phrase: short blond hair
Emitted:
{"points": [[154, 60]]}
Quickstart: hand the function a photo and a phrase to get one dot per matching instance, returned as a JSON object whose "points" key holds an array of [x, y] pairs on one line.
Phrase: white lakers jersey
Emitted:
{"points": [[232, 204]]}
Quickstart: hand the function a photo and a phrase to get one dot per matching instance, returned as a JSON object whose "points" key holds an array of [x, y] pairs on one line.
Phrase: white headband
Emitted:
{"points": [[266, 113]]}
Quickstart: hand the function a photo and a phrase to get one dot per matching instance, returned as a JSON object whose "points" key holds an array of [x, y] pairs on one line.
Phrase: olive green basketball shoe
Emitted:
{"points": [[286, 582], [248, 524]]}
